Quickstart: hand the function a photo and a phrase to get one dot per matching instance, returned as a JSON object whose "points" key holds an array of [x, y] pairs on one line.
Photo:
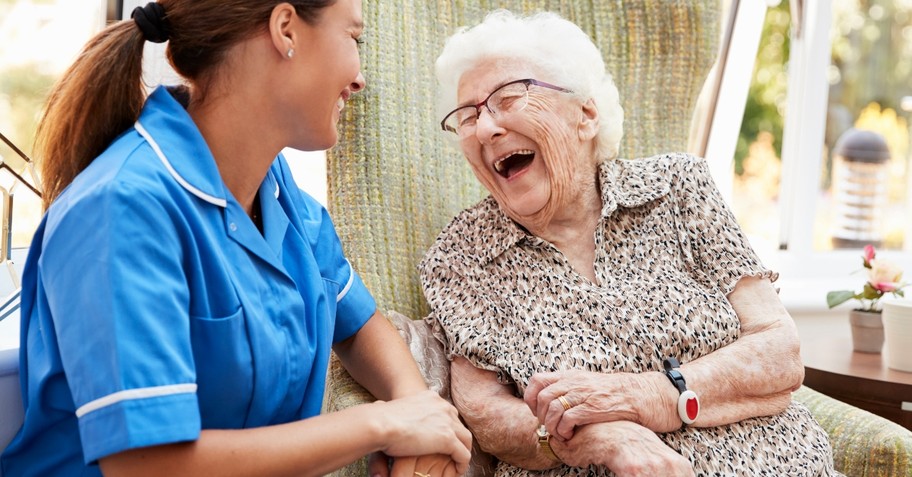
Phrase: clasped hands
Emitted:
{"points": [[426, 439], [609, 420]]}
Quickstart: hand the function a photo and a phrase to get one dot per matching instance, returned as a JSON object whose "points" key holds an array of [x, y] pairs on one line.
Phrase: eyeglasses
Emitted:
{"points": [[509, 98]]}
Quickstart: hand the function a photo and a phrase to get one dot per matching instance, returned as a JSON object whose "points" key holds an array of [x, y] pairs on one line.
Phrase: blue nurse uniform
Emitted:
{"points": [[153, 307]]}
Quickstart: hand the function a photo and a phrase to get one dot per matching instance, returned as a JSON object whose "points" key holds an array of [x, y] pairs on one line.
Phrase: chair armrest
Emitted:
{"points": [[864, 444], [11, 410], [343, 392]]}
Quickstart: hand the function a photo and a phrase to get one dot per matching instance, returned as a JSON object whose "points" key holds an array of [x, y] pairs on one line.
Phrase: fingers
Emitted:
{"points": [[404, 467], [568, 417], [437, 465], [552, 405], [543, 388], [532, 397], [461, 451], [462, 454], [465, 437], [425, 424], [378, 465]]}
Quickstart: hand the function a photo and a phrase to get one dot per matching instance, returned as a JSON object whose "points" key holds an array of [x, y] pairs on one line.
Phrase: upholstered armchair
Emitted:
{"points": [[395, 182]]}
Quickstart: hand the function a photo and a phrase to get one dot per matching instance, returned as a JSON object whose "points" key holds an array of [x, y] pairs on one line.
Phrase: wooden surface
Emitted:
{"points": [[860, 379]]}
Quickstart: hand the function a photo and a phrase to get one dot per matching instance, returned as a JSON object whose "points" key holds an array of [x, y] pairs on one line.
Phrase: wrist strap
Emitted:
{"points": [[688, 402], [544, 444]]}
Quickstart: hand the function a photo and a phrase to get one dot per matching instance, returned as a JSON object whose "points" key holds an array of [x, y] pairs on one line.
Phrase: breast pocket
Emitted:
{"points": [[224, 369]]}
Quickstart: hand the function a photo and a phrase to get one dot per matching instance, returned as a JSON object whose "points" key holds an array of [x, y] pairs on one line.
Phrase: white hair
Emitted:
{"points": [[546, 40]]}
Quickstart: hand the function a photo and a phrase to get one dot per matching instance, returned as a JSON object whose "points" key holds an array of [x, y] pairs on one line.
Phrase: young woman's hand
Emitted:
{"points": [[425, 424]]}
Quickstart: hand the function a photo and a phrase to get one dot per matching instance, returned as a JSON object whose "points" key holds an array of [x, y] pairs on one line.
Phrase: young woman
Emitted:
{"points": [[182, 295]]}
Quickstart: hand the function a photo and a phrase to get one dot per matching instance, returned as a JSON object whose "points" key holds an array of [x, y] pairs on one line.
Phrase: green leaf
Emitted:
{"points": [[836, 298], [871, 293]]}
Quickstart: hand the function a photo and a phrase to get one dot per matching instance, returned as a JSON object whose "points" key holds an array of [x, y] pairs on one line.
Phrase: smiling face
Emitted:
{"points": [[535, 162], [328, 70]]}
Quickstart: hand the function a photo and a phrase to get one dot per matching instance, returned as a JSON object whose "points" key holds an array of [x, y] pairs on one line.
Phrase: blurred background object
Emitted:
{"points": [[859, 188]]}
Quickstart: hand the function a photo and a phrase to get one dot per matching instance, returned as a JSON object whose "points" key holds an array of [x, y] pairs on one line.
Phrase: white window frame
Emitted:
{"points": [[809, 274], [806, 275]]}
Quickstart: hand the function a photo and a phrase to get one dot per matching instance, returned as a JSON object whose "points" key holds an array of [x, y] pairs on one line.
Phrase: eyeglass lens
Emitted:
{"points": [[508, 98]]}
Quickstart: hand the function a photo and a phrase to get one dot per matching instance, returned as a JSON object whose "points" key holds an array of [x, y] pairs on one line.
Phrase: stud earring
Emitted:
{"points": [[289, 53]]}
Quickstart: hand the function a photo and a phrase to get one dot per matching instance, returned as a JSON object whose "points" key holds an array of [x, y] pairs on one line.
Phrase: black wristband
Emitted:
{"points": [[671, 370]]}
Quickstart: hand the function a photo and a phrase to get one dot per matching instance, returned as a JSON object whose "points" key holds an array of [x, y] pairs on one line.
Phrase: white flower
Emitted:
{"points": [[884, 276]]}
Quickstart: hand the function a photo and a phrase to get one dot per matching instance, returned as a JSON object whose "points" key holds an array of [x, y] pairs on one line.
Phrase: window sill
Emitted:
{"points": [[805, 279]]}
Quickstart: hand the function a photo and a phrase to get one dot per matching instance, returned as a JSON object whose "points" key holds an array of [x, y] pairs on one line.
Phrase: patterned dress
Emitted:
{"points": [[668, 252]]}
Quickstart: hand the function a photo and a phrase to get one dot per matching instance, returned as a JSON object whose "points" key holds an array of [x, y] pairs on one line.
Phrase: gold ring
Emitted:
{"points": [[419, 474], [564, 402]]}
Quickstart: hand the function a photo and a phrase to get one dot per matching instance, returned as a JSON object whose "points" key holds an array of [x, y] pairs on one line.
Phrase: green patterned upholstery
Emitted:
{"points": [[864, 445], [395, 182]]}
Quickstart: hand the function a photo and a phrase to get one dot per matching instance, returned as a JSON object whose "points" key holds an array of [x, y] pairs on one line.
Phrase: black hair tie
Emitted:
{"points": [[152, 22]]}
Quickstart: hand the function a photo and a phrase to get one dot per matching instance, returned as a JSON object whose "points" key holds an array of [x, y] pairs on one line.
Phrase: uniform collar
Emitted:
{"points": [[178, 143], [624, 183]]}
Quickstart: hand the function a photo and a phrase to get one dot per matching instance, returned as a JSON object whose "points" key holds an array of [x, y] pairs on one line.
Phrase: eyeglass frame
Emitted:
{"points": [[525, 81]]}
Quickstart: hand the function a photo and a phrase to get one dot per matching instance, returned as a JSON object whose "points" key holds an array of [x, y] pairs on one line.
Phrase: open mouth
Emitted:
{"points": [[510, 165]]}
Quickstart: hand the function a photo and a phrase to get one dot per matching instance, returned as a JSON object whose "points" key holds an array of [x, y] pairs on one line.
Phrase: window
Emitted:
{"points": [[38, 41], [824, 68]]}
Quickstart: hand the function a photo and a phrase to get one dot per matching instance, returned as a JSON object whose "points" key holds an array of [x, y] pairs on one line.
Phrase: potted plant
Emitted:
{"points": [[867, 327]]}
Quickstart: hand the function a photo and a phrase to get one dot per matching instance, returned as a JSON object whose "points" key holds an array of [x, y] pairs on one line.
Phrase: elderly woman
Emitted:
{"points": [[603, 316]]}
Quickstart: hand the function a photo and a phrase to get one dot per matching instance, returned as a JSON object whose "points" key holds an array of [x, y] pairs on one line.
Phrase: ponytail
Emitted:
{"points": [[98, 98], [101, 95]]}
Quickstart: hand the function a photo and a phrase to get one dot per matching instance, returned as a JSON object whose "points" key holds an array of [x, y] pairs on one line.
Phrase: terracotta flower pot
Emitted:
{"points": [[867, 331]]}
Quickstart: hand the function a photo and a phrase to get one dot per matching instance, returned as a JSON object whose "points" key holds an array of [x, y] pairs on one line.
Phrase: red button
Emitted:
{"points": [[693, 408]]}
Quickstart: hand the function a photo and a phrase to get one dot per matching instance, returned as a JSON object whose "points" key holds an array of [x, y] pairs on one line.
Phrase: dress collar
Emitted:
{"points": [[623, 183], [631, 183]]}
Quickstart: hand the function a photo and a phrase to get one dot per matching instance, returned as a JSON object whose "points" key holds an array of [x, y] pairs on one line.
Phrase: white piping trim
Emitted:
{"points": [[351, 279], [180, 180], [130, 394]]}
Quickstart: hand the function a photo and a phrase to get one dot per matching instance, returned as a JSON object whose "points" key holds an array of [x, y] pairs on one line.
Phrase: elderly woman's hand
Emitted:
{"points": [[565, 400], [626, 448]]}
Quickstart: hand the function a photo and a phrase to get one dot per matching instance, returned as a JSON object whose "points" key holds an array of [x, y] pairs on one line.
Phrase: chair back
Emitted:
{"points": [[395, 181]]}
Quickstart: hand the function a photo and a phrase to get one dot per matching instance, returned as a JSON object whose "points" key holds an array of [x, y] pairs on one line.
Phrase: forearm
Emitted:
{"points": [[501, 422], [506, 430], [755, 375], [313, 446], [378, 359]]}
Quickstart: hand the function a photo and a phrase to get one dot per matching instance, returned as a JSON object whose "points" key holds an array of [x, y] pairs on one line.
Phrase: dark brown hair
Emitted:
{"points": [[101, 94]]}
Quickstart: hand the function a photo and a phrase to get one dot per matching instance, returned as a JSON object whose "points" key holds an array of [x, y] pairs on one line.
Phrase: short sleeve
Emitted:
{"points": [[354, 303], [112, 274], [713, 243], [462, 317]]}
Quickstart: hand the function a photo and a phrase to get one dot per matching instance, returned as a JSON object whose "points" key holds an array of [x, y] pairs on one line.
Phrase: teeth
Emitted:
{"points": [[340, 103], [498, 164]]}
